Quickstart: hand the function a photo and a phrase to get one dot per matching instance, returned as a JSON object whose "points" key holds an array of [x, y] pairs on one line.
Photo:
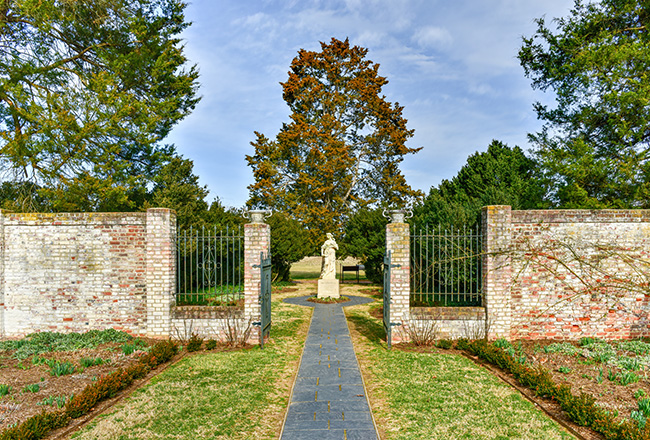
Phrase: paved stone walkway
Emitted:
{"points": [[329, 400]]}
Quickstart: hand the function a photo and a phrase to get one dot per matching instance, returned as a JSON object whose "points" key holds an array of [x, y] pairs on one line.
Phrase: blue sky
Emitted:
{"points": [[451, 64]]}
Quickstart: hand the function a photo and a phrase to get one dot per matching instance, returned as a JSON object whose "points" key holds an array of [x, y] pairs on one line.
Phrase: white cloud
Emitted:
{"points": [[432, 37], [452, 65]]}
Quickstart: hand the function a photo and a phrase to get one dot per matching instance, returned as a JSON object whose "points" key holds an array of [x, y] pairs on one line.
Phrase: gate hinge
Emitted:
{"points": [[395, 324], [257, 323]]}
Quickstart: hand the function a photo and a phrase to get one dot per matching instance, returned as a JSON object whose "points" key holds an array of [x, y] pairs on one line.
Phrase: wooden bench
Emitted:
{"points": [[354, 268]]}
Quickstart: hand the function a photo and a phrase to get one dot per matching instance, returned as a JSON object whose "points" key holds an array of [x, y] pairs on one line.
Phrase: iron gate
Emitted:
{"points": [[210, 267], [387, 301], [265, 297], [446, 267]]}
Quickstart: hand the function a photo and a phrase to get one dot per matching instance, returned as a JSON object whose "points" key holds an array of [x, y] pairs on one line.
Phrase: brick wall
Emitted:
{"points": [[547, 274], [83, 271], [579, 273], [74, 272]]}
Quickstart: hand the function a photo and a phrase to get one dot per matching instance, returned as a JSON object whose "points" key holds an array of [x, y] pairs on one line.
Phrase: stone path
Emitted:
{"points": [[329, 400]]}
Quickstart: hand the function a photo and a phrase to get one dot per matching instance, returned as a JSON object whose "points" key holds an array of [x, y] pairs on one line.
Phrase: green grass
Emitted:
{"points": [[225, 295], [439, 395], [224, 395]]}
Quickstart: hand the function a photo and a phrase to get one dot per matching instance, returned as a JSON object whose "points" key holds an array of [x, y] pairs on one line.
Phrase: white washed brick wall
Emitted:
{"points": [[74, 272]]}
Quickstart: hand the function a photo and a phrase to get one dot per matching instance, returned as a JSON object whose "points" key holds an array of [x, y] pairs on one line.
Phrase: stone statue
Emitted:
{"points": [[328, 252]]}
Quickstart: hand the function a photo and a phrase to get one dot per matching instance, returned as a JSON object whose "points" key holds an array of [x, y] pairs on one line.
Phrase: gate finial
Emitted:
{"points": [[397, 215], [258, 215]]}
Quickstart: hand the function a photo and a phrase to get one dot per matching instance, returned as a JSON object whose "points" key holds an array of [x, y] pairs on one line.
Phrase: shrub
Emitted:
{"points": [[581, 409], [195, 343], [36, 426], [422, 330], [211, 344], [445, 344], [160, 353], [4, 390], [463, 344]]}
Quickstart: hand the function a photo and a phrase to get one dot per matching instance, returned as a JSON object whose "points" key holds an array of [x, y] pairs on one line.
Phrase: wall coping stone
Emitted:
{"points": [[449, 313], [74, 218], [206, 312], [581, 216]]}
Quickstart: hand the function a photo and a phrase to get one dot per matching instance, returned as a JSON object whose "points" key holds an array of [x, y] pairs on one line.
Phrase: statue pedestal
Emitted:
{"points": [[328, 288]]}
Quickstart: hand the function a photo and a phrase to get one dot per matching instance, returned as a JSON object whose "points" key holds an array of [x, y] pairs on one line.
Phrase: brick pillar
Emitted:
{"points": [[2, 274], [257, 239], [161, 270], [398, 243], [496, 224]]}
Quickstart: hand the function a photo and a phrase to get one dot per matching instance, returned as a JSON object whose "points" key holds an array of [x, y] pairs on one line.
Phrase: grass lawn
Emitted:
{"points": [[217, 395], [439, 395]]}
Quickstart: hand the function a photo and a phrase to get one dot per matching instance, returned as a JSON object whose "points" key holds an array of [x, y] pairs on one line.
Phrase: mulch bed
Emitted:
{"points": [[21, 404]]}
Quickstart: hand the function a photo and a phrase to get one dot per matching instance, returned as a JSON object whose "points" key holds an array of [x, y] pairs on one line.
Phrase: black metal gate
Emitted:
{"points": [[387, 323], [265, 297]]}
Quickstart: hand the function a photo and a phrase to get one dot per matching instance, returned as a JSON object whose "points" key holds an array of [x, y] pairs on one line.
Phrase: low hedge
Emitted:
{"points": [[581, 409], [38, 426]]}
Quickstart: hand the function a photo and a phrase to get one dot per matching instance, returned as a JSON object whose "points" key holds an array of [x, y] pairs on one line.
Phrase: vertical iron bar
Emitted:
{"points": [[446, 252], [222, 283], [239, 259], [479, 246], [436, 245]]}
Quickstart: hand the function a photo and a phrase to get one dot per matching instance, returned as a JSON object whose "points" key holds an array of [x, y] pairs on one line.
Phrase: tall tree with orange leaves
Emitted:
{"points": [[341, 149]]}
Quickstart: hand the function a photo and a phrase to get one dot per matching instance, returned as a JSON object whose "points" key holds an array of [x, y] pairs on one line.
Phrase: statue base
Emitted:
{"points": [[328, 288]]}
